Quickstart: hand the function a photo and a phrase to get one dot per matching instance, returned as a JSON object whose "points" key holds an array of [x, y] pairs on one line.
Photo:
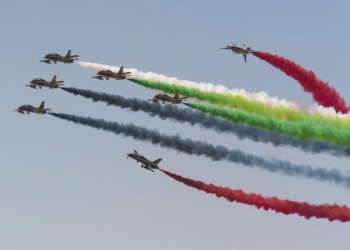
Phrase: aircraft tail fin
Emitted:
{"points": [[68, 53], [121, 70], [245, 57], [157, 161], [53, 79], [176, 96], [42, 105]]}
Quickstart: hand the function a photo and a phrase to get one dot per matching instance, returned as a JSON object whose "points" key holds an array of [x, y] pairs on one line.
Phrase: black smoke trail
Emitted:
{"points": [[215, 153], [193, 117]]}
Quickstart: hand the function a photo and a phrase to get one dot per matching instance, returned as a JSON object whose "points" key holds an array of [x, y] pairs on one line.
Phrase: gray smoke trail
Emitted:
{"points": [[207, 121], [215, 153]]}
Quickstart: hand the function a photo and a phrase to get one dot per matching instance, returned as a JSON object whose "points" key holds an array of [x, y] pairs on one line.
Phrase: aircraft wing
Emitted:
{"points": [[31, 86], [153, 100], [147, 167], [46, 61], [98, 77]]}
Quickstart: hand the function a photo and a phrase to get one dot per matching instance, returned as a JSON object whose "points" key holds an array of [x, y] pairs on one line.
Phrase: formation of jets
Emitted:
{"points": [[239, 50], [39, 82], [120, 75], [110, 74], [146, 164], [166, 98], [54, 57], [30, 109]]}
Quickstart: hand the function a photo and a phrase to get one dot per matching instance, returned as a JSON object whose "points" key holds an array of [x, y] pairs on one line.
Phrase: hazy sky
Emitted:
{"points": [[66, 186]]}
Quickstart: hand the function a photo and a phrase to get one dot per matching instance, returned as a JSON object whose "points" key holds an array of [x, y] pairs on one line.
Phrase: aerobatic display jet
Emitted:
{"points": [[54, 57], [165, 98], [146, 164], [39, 82], [30, 109], [110, 74], [239, 50]]}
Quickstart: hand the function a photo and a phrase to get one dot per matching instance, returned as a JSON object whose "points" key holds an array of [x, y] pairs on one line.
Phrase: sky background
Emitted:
{"points": [[67, 186]]}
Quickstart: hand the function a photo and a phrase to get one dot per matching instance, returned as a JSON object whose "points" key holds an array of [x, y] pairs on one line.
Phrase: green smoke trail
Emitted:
{"points": [[239, 102], [299, 130]]}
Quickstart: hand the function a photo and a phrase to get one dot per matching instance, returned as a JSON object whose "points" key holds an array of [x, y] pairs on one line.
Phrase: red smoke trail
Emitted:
{"points": [[330, 212], [322, 93]]}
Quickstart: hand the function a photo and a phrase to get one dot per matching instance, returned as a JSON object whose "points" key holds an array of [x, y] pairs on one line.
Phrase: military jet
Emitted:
{"points": [[146, 164], [239, 50], [54, 57], [165, 98], [39, 82], [110, 74], [30, 109]]}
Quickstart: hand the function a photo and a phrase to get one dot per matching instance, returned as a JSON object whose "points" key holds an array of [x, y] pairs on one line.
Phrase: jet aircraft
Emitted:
{"points": [[165, 98], [110, 74], [54, 57], [239, 50], [146, 164], [30, 109], [39, 82]]}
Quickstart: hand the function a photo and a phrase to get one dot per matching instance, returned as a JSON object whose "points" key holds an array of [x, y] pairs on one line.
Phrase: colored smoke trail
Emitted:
{"points": [[286, 207], [298, 130], [322, 93], [205, 87], [239, 102], [261, 97], [215, 153], [193, 117]]}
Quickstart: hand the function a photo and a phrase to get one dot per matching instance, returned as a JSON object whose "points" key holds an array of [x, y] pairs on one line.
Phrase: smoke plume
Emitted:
{"points": [[321, 92], [286, 207], [215, 153], [193, 117], [298, 130]]}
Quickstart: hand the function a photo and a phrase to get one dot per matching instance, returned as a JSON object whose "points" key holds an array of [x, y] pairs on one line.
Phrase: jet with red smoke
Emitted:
{"points": [[239, 50]]}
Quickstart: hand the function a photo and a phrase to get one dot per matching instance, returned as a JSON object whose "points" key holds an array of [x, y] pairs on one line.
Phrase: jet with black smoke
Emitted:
{"points": [[215, 153], [286, 207], [193, 117]]}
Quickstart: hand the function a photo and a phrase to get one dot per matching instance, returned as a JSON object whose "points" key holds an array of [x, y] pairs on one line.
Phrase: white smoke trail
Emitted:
{"points": [[209, 87]]}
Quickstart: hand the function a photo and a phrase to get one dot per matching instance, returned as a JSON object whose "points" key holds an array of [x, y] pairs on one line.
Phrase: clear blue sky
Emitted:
{"points": [[65, 186]]}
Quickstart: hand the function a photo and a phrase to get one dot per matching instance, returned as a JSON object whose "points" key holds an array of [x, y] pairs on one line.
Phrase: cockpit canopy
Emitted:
{"points": [[52, 54], [38, 79], [162, 95], [26, 106]]}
